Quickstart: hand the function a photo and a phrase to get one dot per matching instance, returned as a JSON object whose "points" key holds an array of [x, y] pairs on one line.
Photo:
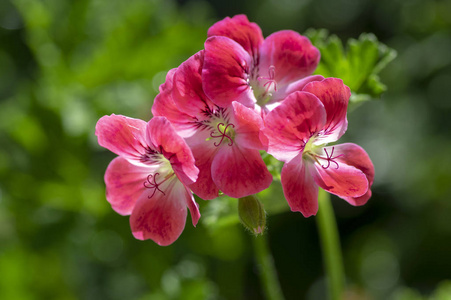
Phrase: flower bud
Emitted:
{"points": [[252, 214]]}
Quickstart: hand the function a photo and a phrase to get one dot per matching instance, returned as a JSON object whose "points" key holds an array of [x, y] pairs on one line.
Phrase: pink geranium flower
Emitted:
{"points": [[298, 131], [240, 65], [224, 139], [149, 178]]}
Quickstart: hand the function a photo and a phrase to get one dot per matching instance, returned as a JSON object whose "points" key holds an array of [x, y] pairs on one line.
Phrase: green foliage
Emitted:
{"points": [[358, 65]]}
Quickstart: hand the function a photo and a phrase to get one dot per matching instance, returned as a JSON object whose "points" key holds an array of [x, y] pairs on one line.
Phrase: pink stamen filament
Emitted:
{"points": [[223, 134], [330, 158], [271, 79], [151, 183]]}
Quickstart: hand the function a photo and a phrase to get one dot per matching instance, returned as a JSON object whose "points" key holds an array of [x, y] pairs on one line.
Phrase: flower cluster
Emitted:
{"points": [[240, 95]]}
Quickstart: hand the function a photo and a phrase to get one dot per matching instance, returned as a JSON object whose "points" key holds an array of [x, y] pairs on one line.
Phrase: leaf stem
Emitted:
{"points": [[267, 270], [330, 244]]}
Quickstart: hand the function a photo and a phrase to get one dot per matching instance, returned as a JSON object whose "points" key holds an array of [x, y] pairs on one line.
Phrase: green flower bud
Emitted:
{"points": [[252, 214]]}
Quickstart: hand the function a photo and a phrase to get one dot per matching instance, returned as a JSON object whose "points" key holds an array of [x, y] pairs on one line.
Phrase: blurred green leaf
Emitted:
{"points": [[220, 212], [358, 65], [443, 291]]}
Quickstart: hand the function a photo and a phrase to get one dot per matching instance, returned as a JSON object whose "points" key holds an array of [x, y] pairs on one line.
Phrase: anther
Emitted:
{"points": [[223, 134]]}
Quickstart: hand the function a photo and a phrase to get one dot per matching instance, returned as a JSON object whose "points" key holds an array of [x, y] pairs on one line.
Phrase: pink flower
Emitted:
{"points": [[298, 131], [224, 139], [149, 178], [240, 65]]}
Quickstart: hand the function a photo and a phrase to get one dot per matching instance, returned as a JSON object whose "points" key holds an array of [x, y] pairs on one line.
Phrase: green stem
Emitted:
{"points": [[268, 273], [330, 244]]}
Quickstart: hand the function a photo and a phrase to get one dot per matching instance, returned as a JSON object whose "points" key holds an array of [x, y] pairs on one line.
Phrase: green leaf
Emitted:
{"points": [[358, 64], [220, 212]]}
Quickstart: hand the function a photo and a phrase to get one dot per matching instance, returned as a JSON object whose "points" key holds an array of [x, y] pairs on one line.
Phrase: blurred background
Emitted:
{"points": [[64, 64]]}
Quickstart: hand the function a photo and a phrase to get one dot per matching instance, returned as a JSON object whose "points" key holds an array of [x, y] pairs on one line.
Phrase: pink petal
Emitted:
{"points": [[335, 97], [204, 187], [289, 126], [338, 178], [292, 55], [240, 172], [124, 184], [161, 217], [123, 136], [225, 72], [193, 207], [284, 90], [164, 105], [299, 188], [163, 137], [248, 127], [188, 93], [247, 34], [354, 155]]}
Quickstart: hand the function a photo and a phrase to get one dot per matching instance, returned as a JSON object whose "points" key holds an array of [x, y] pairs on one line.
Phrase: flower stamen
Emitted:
{"points": [[270, 80], [151, 183], [223, 134], [330, 158]]}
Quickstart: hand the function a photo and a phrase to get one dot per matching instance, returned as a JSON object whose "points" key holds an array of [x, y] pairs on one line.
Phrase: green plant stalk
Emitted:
{"points": [[267, 270], [330, 244]]}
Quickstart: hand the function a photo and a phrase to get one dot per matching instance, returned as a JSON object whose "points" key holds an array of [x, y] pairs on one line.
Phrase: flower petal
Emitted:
{"points": [[247, 34], [164, 105], [188, 93], [299, 188], [336, 177], [289, 126], [124, 184], [123, 136], [292, 55], [335, 97], [248, 127], [193, 207], [204, 187], [161, 217], [240, 172], [354, 155], [163, 137], [284, 90], [225, 72]]}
